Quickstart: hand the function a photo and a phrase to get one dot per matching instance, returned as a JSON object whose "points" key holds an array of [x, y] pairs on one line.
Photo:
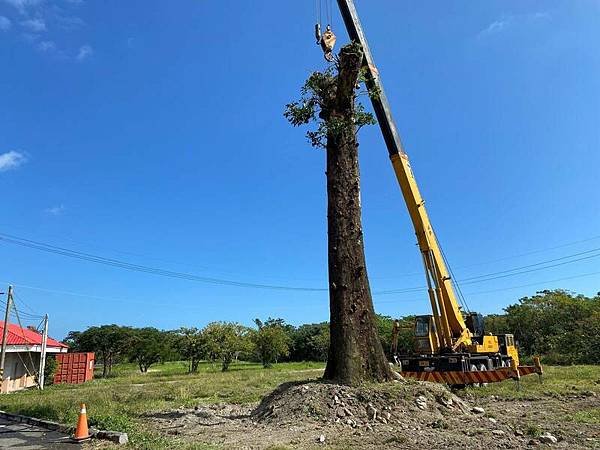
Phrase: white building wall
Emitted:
{"points": [[14, 365]]}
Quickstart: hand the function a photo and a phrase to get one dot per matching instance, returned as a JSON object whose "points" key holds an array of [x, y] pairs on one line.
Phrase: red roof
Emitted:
{"points": [[25, 336]]}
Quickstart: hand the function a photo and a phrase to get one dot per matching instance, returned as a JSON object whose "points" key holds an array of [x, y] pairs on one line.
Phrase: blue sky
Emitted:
{"points": [[152, 132]]}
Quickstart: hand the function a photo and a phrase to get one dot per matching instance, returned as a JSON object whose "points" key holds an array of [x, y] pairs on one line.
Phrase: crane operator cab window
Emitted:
{"points": [[425, 341], [422, 327]]}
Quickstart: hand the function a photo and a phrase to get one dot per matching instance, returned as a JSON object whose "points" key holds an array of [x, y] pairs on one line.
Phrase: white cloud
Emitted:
{"points": [[11, 160], [34, 25], [47, 46], [55, 210], [502, 25], [85, 51], [495, 27], [23, 5], [5, 23]]}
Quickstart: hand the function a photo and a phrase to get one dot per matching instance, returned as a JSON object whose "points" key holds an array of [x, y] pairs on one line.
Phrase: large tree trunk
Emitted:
{"points": [[355, 351]]}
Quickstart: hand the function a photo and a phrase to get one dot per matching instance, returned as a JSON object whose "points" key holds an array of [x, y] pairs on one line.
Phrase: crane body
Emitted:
{"points": [[448, 346]]}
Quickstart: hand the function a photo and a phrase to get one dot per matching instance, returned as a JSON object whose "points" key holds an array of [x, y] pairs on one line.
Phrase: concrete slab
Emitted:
{"points": [[23, 436]]}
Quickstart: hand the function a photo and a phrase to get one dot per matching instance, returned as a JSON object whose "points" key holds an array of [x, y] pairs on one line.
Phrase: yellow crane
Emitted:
{"points": [[449, 347]]}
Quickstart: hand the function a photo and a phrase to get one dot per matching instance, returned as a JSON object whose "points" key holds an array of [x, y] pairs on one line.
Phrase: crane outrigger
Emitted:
{"points": [[449, 347]]}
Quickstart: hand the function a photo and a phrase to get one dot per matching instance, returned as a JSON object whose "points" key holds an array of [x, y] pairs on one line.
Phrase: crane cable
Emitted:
{"points": [[325, 39], [328, 12]]}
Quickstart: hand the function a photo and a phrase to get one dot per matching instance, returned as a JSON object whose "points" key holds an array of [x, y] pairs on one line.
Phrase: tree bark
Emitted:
{"points": [[355, 351]]}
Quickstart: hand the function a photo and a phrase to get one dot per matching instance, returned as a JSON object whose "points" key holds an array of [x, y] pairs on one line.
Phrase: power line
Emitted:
{"points": [[501, 274], [535, 264], [396, 276], [112, 299], [77, 294], [22, 302], [24, 314], [502, 289], [505, 258], [145, 269], [217, 281]]}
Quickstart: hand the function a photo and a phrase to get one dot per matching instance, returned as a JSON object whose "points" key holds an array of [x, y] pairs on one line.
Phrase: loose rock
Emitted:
{"points": [[547, 438], [421, 402]]}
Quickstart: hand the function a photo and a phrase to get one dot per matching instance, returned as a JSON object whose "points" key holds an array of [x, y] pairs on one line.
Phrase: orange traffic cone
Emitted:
{"points": [[82, 432]]}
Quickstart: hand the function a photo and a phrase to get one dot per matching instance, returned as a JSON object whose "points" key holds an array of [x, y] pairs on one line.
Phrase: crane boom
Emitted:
{"points": [[449, 347], [452, 330]]}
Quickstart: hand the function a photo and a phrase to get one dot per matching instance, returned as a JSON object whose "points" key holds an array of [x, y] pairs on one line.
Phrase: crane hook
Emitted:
{"points": [[328, 43]]}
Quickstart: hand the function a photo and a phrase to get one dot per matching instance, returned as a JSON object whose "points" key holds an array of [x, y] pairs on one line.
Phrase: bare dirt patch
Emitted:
{"points": [[408, 415]]}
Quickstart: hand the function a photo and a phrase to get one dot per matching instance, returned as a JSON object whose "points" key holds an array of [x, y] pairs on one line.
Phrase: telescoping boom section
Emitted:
{"points": [[449, 346]]}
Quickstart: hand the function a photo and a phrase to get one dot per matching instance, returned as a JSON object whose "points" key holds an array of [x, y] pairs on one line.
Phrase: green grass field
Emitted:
{"points": [[116, 403], [119, 402], [556, 381]]}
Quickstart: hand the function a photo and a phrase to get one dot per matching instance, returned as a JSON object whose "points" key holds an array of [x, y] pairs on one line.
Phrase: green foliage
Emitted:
{"points": [[316, 101], [49, 369], [271, 341], [191, 346], [225, 341], [385, 325], [497, 324], [109, 342], [310, 342], [533, 431], [561, 326], [146, 347]]}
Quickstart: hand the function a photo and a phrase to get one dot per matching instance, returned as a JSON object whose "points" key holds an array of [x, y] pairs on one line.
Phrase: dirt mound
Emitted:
{"points": [[366, 406], [388, 416]]}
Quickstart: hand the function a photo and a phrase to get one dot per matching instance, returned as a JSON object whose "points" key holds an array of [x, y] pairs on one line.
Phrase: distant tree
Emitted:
{"points": [[385, 325], [224, 340], [496, 324], [172, 343], [72, 340], [191, 345], [557, 324], [107, 341], [271, 341], [147, 346], [310, 342], [589, 336]]}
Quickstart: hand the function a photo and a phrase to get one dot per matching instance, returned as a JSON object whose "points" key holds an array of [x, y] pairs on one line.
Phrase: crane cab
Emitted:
{"points": [[426, 339]]}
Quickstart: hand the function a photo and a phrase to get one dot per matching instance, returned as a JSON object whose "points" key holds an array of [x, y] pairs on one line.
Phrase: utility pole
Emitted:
{"points": [[5, 333], [43, 355]]}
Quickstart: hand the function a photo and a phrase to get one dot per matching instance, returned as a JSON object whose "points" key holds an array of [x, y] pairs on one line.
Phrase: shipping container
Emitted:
{"points": [[74, 368]]}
